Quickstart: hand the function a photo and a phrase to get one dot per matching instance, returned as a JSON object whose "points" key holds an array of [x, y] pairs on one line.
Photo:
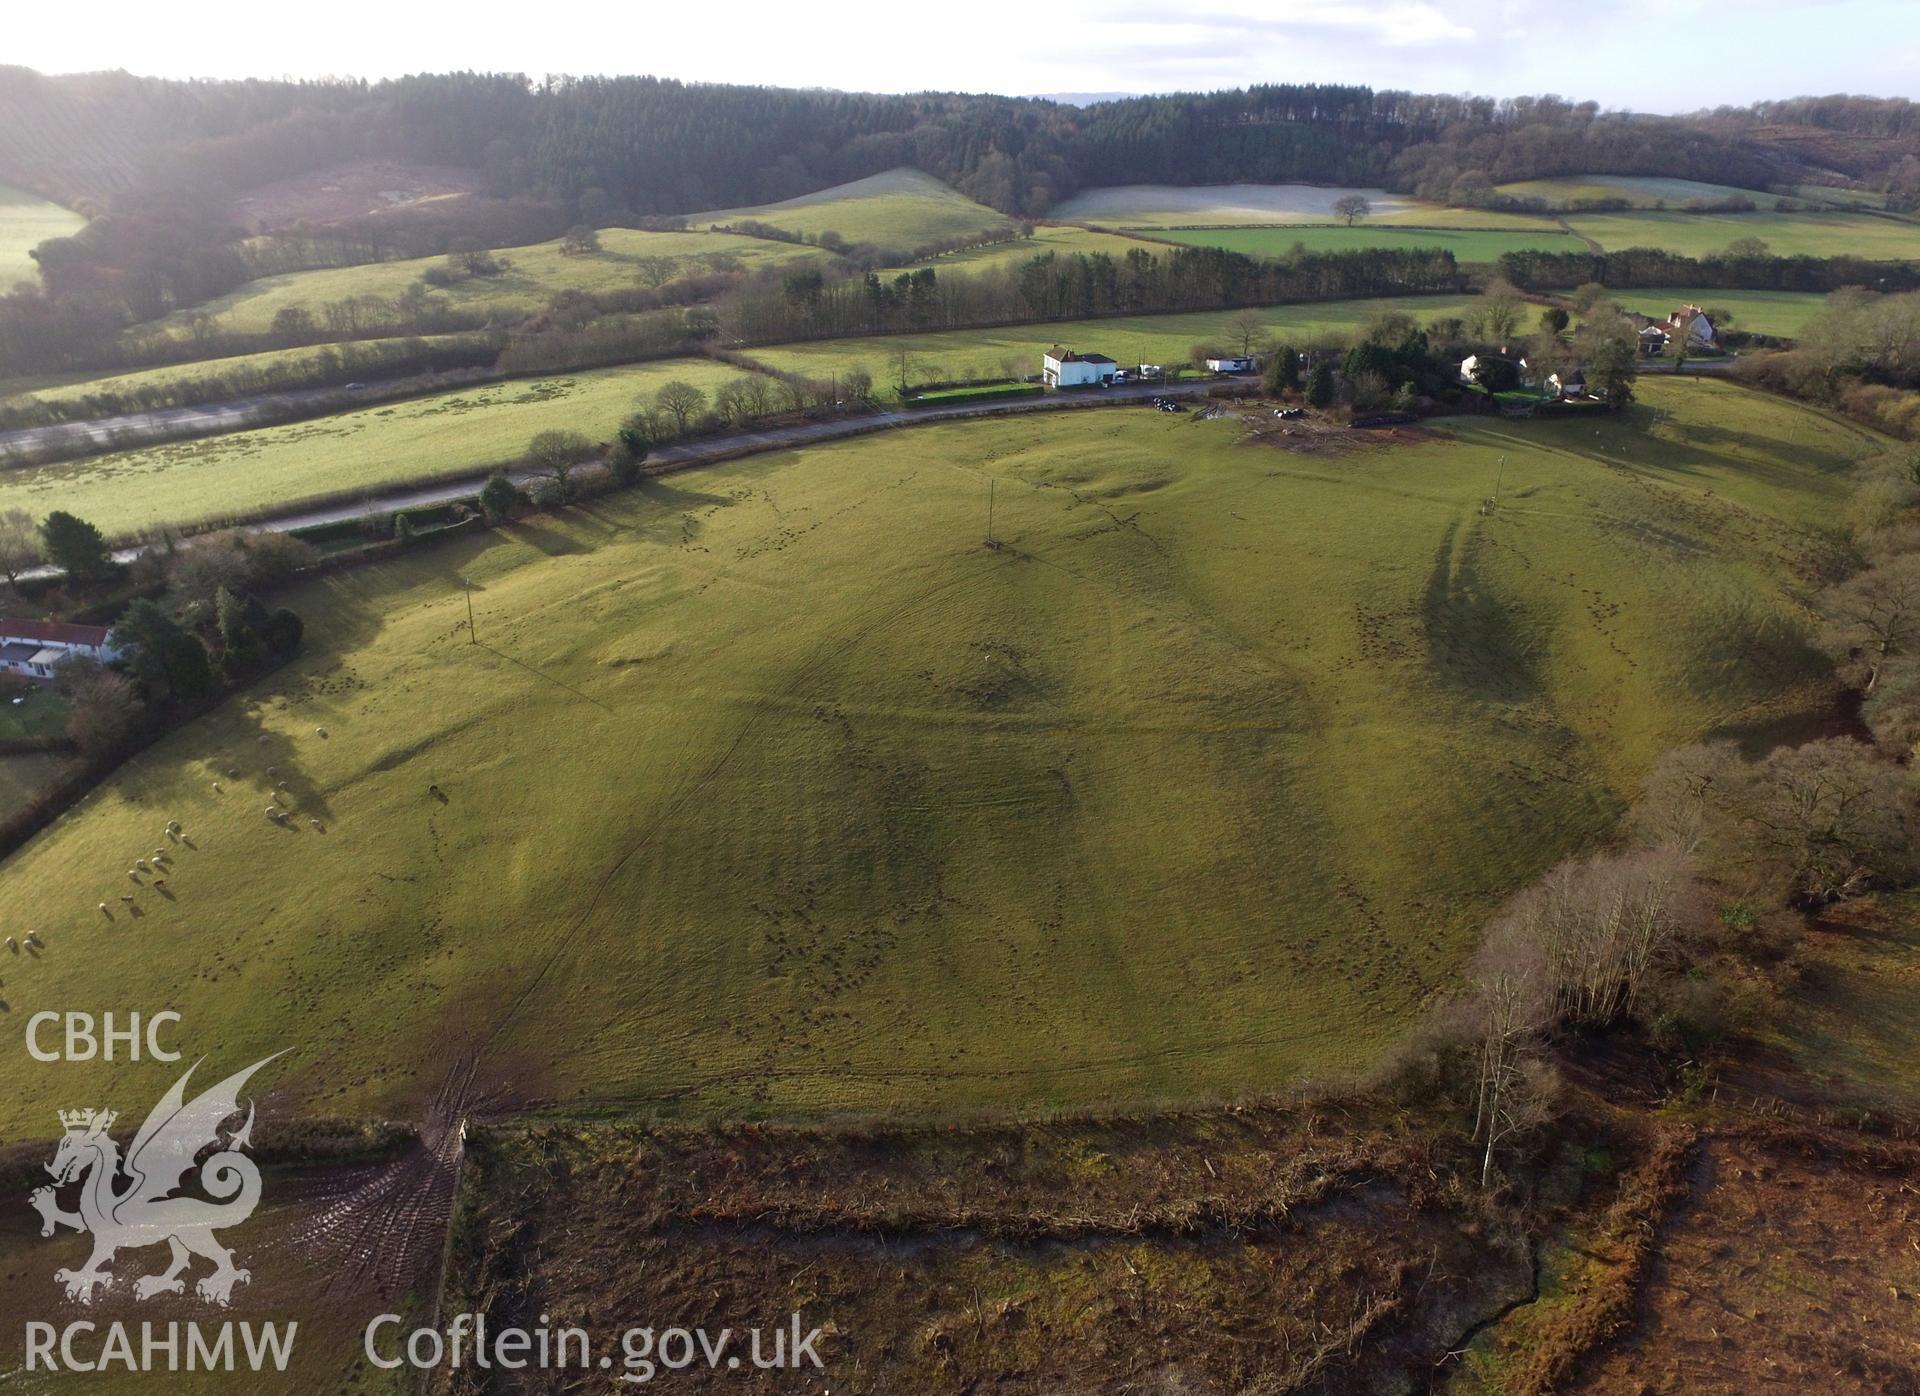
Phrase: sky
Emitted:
{"points": [[1648, 55]]}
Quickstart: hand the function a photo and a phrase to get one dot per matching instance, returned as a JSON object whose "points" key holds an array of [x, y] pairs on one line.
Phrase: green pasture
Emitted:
{"points": [[901, 209], [1785, 234], [769, 790], [1060, 239], [248, 472], [1466, 244], [26, 221]]}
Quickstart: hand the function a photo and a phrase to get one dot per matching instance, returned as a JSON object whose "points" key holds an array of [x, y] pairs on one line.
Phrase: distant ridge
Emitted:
{"points": [[1082, 99]]}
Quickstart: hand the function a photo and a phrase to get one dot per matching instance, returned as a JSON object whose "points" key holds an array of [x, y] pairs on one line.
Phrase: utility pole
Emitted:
{"points": [[990, 484], [467, 584]]}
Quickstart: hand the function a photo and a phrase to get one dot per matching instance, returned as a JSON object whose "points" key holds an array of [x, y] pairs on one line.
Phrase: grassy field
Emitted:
{"points": [[536, 274], [1785, 234], [1466, 244], [247, 472], [1645, 191], [769, 789], [949, 355], [901, 209], [1759, 312], [26, 221], [1059, 239], [78, 386], [1222, 205]]}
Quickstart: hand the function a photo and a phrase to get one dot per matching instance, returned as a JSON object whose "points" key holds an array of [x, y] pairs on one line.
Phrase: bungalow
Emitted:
{"points": [[1653, 340], [1062, 368], [1230, 365], [35, 647]]}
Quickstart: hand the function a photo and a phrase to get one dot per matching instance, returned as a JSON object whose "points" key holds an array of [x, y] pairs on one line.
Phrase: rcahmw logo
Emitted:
{"points": [[130, 1203]]}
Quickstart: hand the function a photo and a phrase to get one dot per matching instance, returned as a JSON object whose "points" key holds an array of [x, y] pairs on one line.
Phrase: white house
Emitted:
{"points": [[1699, 329], [1653, 340], [1062, 368], [34, 647], [1230, 365]]}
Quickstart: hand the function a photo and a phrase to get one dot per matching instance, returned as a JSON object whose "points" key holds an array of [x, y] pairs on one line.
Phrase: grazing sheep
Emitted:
{"points": [[159, 855], [273, 770], [33, 938], [103, 909], [216, 787], [132, 876], [262, 739], [314, 823], [158, 883], [140, 866], [126, 896], [320, 732], [14, 945]]}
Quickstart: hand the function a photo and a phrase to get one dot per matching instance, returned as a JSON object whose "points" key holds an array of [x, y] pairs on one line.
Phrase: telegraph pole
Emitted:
{"points": [[990, 484], [467, 584]]}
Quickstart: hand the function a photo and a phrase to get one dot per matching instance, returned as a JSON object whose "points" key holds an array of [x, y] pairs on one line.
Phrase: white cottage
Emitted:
{"points": [[1062, 368]]}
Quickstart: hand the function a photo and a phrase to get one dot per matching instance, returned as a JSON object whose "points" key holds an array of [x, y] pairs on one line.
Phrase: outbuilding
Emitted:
{"points": [[1230, 365]]}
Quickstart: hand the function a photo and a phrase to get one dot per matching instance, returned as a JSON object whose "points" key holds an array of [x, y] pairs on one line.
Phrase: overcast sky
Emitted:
{"points": [[1651, 55]]}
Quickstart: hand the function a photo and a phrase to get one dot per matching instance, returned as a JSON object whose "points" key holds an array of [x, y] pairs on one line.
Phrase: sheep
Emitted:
{"points": [[126, 896], [216, 787], [14, 945], [159, 855], [313, 823], [140, 866], [173, 826], [262, 739], [320, 732], [159, 883], [103, 910], [273, 770], [132, 876], [233, 773], [33, 938]]}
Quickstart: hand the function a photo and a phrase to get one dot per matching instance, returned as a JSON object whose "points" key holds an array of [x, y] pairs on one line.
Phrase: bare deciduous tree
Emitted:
{"points": [[1873, 616], [19, 544], [680, 400]]}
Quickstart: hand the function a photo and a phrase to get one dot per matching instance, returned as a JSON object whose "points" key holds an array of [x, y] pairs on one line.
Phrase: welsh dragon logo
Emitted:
{"points": [[134, 1204]]}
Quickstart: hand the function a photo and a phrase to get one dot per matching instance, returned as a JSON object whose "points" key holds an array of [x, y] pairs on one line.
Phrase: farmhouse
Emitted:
{"points": [[1698, 326], [34, 647], [1062, 368], [1470, 367], [1230, 365], [1568, 385], [1653, 339]]}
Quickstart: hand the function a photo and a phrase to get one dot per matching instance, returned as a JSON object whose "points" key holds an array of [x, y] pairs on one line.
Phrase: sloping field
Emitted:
{"points": [[248, 472], [1785, 234], [26, 221], [1059, 239], [1782, 313], [900, 209], [1015, 350], [1466, 244], [1645, 191], [769, 788], [627, 260]]}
